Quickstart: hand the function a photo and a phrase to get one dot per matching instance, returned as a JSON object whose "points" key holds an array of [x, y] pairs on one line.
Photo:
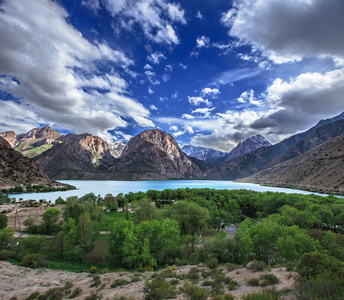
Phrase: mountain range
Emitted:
{"points": [[155, 155]]}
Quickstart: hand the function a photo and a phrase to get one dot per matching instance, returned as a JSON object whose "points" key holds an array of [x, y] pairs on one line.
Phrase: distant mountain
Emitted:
{"points": [[154, 154], [246, 146], [320, 169], [289, 148], [202, 153], [117, 148], [34, 142], [17, 170]]}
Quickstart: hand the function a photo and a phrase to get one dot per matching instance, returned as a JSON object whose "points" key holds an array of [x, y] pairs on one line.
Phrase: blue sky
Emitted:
{"points": [[211, 73]]}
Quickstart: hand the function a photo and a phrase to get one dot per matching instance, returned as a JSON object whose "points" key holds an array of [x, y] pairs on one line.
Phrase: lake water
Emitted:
{"points": [[115, 187]]}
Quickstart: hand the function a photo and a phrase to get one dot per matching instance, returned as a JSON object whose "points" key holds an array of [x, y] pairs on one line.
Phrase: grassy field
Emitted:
{"points": [[109, 218]]}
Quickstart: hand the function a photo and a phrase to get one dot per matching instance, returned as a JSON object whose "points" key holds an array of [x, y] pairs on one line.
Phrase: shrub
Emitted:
{"points": [[231, 267], [3, 221], [268, 279], [33, 296], [193, 275], [253, 282], [77, 291], [159, 289], [265, 294], [174, 281], [258, 266], [119, 282], [212, 263], [5, 254], [92, 296], [224, 297], [34, 261], [96, 281], [194, 292], [93, 270], [54, 294]]}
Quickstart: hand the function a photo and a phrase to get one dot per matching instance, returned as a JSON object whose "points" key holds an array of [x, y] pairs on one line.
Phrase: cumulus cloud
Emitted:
{"points": [[49, 68], [199, 15], [289, 30], [153, 107], [200, 113], [249, 97], [203, 41], [153, 16], [198, 100], [301, 102], [213, 92]]}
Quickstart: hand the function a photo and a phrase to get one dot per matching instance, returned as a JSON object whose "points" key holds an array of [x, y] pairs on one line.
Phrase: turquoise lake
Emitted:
{"points": [[115, 187]]}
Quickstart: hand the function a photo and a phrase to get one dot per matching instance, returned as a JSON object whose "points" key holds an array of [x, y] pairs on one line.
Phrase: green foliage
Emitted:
{"points": [[315, 263], [159, 289], [253, 282], [3, 221], [92, 296], [96, 281], [268, 279], [147, 244], [212, 263], [265, 294], [119, 282], [193, 275], [76, 292], [34, 261], [6, 236], [32, 244], [194, 292], [50, 217], [60, 201], [143, 210]]}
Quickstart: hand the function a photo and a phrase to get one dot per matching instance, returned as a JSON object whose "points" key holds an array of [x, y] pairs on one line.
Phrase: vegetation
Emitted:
{"points": [[151, 230]]}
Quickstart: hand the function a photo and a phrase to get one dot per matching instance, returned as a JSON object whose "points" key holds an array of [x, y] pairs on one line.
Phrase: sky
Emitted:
{"points": [[211, 73]]}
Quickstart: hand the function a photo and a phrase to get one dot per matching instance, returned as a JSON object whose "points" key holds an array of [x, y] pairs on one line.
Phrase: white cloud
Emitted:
{"points": [[199, 15], [53, 64], [155, 17], [156, 57], [289, 30], [198, 100], [187, 116], [202, 41], [150, 91], [175, 95], [213, 92], [148, 67], [173, 128], [178, 133], [189, 129], [153, 107], [248, 97], [182, 66]]}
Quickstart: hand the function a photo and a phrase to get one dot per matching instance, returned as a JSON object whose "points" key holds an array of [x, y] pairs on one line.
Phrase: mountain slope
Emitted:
{"points": [[319, 169], [154, 154], [202, 153], [17, 170], [266, 157]]}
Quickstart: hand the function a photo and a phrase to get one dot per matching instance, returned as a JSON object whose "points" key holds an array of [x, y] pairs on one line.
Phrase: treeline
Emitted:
{"points": [[183, 226]]}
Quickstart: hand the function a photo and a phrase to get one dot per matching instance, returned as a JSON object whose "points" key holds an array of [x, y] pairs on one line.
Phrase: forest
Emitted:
{"points": [[159, 229]]}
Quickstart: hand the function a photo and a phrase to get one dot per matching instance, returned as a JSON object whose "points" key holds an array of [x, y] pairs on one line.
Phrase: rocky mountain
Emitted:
{"points": [[246, 146], [34, 142], [202, 153], [154, 154], [320, 169], [17, 170], [117, 148], [266, 157]]}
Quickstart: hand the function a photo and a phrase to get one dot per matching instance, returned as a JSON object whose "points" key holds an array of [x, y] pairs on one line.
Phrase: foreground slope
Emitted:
{"points": [[17, 170]]}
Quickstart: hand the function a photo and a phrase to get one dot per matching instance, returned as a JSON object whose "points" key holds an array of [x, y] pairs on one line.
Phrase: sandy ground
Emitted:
{"points": [[21, 282]]}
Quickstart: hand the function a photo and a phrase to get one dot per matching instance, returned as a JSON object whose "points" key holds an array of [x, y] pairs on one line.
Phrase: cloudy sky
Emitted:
{"points": [[211, 73]]}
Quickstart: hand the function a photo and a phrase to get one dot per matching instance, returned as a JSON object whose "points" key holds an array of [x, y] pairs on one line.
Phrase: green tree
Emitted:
{"points": [[144, 211], [50, 217], [3, 221], [6, 236]]}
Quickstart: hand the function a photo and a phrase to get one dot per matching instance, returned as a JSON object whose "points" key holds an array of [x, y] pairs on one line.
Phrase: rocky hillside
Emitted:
{"points": [[17, 170], [320, 169], [154, 154], [246, 146], [117, 148], [202, 153], [287, 149]]}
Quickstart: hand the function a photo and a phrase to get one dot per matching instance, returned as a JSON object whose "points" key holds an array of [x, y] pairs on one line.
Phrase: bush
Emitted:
{"points": [[193, 275], [212, 263], [259, 266], [231, 267], [193, 292], [224, 297], [159, 289], [3, 221], [92, 296], [96, 281], [253, 282], [315, 263], [34, 261], [77, 291], [119, 282], [54, 294], [265, 294], [268, 279]]}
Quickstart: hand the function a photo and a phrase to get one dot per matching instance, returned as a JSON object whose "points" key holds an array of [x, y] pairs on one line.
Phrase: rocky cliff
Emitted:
{"points": [[17, 170], [202, 153], [154, 154]]}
